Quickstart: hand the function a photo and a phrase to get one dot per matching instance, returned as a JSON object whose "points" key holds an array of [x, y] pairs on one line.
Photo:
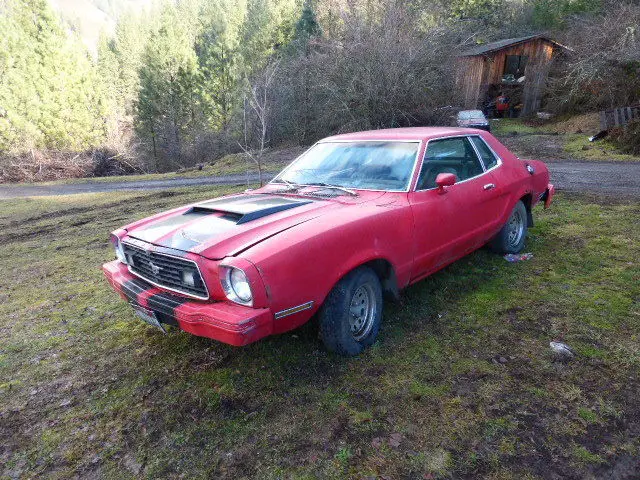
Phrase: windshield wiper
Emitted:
{"points": [[336, 187], [291, 185]]}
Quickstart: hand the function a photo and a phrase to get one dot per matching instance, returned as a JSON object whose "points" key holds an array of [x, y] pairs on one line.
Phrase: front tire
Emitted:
{"points": [[512, 236], [351, 315]]}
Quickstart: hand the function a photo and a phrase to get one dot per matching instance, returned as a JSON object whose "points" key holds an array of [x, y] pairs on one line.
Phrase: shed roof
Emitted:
{"points": [[509, 42]]}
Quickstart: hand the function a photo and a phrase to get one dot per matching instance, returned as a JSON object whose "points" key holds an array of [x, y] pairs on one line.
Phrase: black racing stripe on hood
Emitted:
{"points": [[246, 208]]}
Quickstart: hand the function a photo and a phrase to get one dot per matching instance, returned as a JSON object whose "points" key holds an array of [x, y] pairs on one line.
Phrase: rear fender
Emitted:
{"points": [[547, 196], [539, 178]]}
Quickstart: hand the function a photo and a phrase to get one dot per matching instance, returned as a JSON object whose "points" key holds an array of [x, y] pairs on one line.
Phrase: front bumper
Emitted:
{"points": [[224, 321]]}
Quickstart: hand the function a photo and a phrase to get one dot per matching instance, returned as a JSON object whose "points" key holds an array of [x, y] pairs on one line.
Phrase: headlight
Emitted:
{"points": [[117, 245], [236, 285]]}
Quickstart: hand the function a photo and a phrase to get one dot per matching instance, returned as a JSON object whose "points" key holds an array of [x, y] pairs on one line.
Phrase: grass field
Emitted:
{"points": [[554, 140], [460, 384]]}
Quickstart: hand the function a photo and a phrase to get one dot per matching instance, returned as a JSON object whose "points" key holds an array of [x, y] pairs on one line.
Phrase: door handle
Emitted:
{"points": [[489, 186]]}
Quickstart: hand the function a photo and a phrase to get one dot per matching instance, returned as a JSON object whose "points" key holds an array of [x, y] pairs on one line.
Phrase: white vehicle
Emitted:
{"points": [[473, 119]]}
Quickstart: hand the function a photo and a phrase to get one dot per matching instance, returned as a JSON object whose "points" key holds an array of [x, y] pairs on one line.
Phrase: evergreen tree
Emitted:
{"points": [[48, 93], [128, 46], [269, 26], [554, 13], [167, 107], [218, 51], [307, 25], [306, 28]]}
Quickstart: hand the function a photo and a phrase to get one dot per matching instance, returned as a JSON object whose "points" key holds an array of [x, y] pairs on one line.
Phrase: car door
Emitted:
{"points": [[498, 199], [450, 223]]}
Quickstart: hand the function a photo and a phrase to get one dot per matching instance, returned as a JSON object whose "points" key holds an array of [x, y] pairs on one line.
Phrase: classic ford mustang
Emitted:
{"points": [[353, 220]]}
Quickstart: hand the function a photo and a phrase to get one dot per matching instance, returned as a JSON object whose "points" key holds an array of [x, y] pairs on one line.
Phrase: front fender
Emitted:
{"points": [[303, 264]]}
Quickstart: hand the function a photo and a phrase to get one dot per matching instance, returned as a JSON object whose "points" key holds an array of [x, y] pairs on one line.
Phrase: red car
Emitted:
{"points": [[356, 218]]}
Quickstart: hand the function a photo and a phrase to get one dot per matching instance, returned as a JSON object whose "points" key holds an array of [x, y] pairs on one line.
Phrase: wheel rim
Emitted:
{"points": [[362, 311], [516, 228]]}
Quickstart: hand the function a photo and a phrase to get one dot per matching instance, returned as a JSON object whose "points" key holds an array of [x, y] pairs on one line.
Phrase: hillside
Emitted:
{"points": [[90, 18], [186, 83]]}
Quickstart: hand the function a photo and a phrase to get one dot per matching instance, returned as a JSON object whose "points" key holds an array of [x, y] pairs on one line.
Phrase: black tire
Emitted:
{"points": [[512, 236], [338, 326]]}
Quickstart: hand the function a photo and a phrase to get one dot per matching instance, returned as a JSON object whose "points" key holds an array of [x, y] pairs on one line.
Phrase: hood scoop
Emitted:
{"points": [[246, 208]]}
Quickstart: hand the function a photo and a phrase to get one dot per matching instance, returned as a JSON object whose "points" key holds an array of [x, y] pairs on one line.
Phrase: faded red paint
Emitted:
{"points": [[296, 256]]}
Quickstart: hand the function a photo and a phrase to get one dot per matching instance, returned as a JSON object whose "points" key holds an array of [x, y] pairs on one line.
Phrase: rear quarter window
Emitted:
{"points": [[488, 158]]}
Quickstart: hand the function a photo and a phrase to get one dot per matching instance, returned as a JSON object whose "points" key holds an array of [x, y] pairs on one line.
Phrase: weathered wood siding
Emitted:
{"points": [[471, 71], [478, 72], [536, 76]]}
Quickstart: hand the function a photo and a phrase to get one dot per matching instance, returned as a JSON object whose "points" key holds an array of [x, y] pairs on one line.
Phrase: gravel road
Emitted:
{"points": [[17, 190], [605, 177], [598, 177]]}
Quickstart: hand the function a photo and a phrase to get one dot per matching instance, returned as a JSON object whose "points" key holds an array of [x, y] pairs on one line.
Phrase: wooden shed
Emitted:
{"points": [[516, 66]]}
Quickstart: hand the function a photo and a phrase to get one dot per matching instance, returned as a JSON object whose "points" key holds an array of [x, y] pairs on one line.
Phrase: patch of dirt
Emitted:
{"points": [[48, 215], [540, 326], [625, 467], [79, 210], [25, 236], [547, 147]]}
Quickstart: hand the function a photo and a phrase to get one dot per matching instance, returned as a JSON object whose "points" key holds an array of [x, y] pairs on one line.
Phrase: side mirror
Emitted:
{"points": [[445, 180]]}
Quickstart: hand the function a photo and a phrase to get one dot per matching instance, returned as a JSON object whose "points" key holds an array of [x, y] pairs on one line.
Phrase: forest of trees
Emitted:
{"points": [[192, 80]]}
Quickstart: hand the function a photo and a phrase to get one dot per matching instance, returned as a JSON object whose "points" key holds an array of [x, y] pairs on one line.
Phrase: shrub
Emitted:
{"points": [[627, 139]]}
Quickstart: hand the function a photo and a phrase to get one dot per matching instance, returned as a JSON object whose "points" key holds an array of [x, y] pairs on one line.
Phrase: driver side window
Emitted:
{"points": [[448, 155]]}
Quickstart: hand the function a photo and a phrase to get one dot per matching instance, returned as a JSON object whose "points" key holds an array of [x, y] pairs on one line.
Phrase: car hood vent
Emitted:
{"points": [[245, 208]]}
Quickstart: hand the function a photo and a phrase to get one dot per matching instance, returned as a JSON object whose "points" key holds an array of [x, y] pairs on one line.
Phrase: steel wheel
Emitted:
{"points": [[515, 228], [350, 317], [362, 311]]}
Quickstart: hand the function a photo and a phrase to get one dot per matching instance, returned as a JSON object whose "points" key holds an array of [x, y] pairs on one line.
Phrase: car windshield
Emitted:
{"points": [[469, 114], [375, 165]]}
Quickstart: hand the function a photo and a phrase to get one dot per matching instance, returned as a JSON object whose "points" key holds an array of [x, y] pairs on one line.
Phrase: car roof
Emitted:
{"points": [[405, 134], [478, 113]]}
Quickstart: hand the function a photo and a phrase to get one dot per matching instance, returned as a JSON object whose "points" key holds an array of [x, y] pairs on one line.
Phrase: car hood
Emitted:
{"points": [[229, 225]]}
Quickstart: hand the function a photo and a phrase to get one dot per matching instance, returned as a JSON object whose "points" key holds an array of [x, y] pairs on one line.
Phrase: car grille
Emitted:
{"points": [[166, 270]]}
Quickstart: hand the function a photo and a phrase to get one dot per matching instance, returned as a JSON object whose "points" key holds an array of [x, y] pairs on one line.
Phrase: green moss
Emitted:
{"points": [[498, 426], [583, 455], [588, 415], [434, 463], [344, 454], [420, 390], [589, 351], [538, 392], [511, 126], [579, 146]]}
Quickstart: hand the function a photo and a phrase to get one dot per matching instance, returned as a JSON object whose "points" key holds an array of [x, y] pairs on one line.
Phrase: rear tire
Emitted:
{"points": [[511, 238], [351, 315]]}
